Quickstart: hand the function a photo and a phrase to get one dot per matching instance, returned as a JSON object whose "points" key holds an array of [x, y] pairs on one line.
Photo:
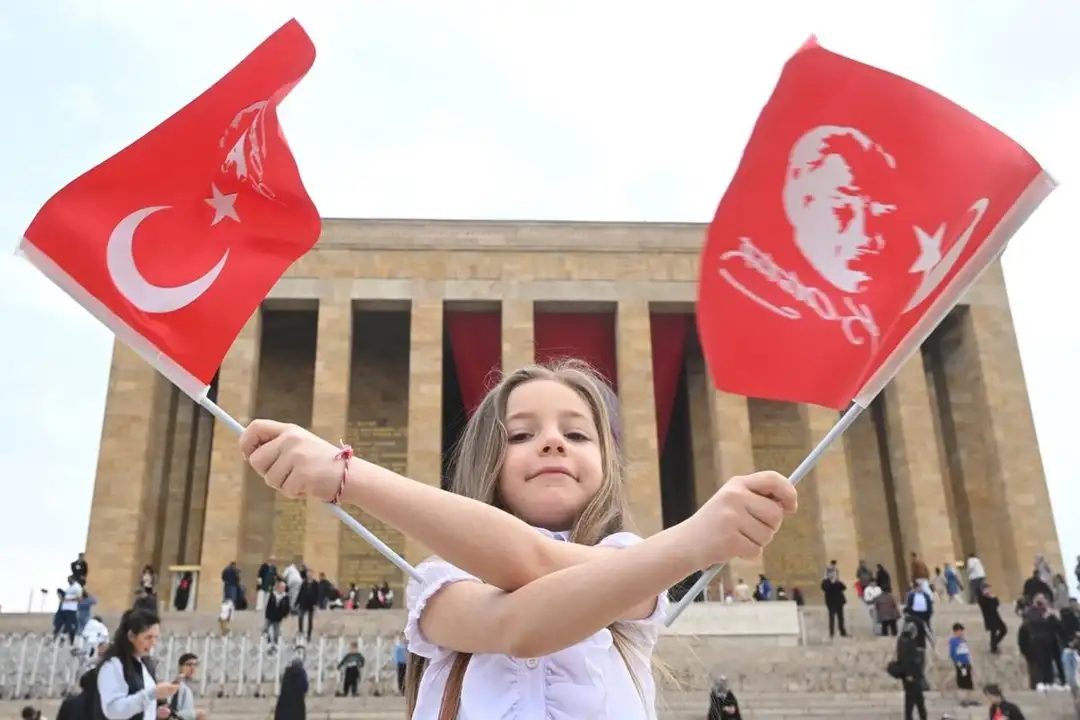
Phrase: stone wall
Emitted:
{"points": [[275, 525], [949, 460], [378, 417], [796, 556]]}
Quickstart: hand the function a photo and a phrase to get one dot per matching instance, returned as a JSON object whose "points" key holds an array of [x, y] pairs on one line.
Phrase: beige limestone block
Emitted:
{"points": [[518, 345], [734, 456], [833, 482], [638, 408], [329, 420], [424, 453], [1014, 464], [238, 382], [133, 434], [925, 524]]}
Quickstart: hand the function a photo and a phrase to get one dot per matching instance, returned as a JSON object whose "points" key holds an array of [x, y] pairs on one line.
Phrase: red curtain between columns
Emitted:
{"points": [[584, 336], [668, 333], [476, 341]]}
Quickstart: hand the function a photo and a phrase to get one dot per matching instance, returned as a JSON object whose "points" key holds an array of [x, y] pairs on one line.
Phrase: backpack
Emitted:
{"points": [[133, 676]]}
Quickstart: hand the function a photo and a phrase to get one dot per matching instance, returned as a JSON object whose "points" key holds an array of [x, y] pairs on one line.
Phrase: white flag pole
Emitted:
{"points": [[354, 525], [988, 252], [797, 476]]}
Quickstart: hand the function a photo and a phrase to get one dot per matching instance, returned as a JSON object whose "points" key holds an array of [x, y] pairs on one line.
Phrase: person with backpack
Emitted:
{"points": [[83, 705], [909, 667]]}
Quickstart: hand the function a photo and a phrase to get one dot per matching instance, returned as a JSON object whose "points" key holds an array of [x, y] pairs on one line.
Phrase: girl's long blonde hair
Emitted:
{"points": [[478, 459]]}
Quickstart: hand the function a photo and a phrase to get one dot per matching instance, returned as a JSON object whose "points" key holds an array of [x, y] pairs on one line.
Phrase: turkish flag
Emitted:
{"points": [[864, 205], [174, 241]]}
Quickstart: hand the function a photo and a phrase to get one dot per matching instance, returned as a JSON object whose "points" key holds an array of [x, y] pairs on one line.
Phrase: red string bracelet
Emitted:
{"points": [[345, 454]]}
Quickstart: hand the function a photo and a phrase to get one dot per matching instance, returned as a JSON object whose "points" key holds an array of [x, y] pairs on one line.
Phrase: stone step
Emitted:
{"points": [[846, 665], [330, 622], [356, 622], [672, 706], [815, 621]]}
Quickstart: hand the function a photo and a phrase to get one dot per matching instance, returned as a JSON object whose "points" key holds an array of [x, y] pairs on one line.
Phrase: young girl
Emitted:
{"points": [[538, 508]]}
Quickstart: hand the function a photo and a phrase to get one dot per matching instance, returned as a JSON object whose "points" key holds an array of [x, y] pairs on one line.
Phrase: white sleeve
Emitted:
{"points": [[116, 702], [625, 540], [435, 575]]}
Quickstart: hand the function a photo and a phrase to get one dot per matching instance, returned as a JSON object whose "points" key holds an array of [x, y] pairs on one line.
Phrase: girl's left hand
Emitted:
{"points": [[292, 460]]}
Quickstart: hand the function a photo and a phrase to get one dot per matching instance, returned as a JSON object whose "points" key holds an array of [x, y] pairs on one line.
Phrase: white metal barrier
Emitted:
{"points": [[35, 666]]}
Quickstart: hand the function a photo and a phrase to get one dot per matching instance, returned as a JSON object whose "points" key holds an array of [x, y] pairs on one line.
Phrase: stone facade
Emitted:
{"points": [[352, 343]]}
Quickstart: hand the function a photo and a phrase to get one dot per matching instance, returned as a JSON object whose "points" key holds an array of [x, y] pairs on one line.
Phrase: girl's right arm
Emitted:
{"points": [[543, 617]]}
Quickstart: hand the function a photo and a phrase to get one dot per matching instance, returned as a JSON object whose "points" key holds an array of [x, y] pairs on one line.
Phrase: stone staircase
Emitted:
{"points": [[672, 706], [329, 622], [844, 677]]}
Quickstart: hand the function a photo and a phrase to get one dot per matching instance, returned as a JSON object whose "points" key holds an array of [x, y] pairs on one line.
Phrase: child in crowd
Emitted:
{"points": [[537, 508], [960, 654]]}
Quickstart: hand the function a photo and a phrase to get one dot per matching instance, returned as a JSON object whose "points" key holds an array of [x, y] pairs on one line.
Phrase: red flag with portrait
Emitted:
{"points": [[863, 206]]}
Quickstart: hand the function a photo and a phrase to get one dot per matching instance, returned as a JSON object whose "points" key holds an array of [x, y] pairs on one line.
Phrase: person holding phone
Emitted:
{"points": [[182, 704], [126, 687]]}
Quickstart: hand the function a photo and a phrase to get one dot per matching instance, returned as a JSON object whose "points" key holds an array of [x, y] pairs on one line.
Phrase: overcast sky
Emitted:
{"points": [[524, 110]]}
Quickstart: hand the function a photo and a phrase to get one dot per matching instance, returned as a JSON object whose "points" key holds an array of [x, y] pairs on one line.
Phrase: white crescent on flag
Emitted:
{"points": [[139, 291]]}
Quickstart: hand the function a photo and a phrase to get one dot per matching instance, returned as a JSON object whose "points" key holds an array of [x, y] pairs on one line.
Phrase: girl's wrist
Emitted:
{"points": [[687, 547], [353, 479]]}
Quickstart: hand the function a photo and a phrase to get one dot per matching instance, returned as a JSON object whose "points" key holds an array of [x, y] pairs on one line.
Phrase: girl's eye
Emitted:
{"points": [[517, 437], [577, 436]]}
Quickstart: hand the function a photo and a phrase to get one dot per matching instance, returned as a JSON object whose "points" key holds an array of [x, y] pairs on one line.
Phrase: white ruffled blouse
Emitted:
{"points": [[588, 681]]}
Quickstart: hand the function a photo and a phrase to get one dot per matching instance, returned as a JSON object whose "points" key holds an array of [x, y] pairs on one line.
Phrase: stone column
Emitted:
{"points": [[518, 345], [637, 401], [200, 475], [1025, 521], [424, 451], [238, 381], [703, 443], [834, 490], [176, 490], [733, 456], [132, 439], [329, 420], [925, 525]]}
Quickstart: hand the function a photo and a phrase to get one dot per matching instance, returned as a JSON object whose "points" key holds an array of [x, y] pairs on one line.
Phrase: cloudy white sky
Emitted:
{"points": [[537, 110]]}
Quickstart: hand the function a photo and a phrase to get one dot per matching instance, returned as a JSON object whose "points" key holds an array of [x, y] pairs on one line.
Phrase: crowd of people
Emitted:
{"points": [[1048, 636], [296, 592]]}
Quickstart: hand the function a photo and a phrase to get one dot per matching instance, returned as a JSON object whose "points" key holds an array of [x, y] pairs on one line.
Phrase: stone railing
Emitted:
{"points": [[36, 666]]}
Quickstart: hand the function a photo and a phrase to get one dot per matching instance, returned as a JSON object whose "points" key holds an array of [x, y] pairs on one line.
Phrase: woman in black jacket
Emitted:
{"points": [[911, 658], [722, 702], [125, 685], [291, 702]]}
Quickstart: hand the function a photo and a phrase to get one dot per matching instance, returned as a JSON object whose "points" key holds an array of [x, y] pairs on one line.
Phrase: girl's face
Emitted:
{"points": [[552, 467], [145, 641]]}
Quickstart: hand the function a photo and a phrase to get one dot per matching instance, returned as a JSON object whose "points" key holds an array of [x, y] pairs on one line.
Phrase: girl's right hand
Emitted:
{"points": [[292, 460], [742, 517], [164, 691]]}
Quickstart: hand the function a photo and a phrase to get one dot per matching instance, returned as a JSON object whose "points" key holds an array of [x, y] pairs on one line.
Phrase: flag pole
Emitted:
{"points": [[214, 409], [850, 416]]}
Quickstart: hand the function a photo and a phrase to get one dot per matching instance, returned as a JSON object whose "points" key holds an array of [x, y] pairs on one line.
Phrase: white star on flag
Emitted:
{"points": [[929, 249], [223, 205]]}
